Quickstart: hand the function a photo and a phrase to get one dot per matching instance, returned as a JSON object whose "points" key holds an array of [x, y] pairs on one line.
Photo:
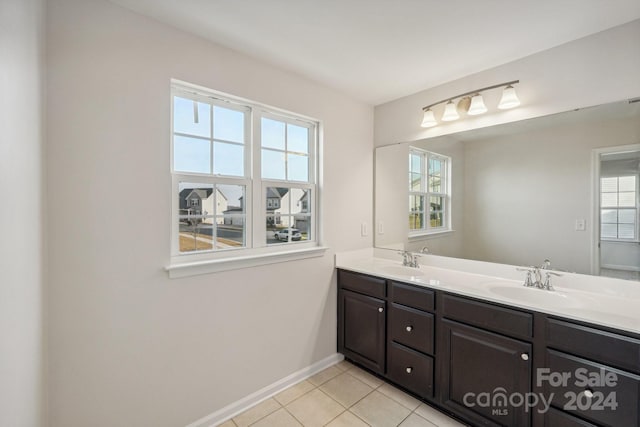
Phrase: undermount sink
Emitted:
{"points": [[535, 296], [398, 270]]}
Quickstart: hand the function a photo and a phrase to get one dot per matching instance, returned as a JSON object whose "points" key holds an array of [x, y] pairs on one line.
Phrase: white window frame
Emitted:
{"points": [[636, 208], [427, 230], [256, 250]]}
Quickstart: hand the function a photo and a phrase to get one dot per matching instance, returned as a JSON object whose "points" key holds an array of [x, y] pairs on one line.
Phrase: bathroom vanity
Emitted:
{"points": [[490, 351]]}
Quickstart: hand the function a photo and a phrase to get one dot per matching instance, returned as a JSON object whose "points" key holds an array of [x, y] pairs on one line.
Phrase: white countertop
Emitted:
{"points": [[608, 302]]}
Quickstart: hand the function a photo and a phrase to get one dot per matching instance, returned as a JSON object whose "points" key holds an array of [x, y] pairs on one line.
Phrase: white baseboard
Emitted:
{"points": [[620, 267], [253, 399]]}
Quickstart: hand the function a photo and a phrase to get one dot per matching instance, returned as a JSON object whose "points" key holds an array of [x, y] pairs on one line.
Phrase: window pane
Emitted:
{"points": [[228, 124], [416, 203], [230, 199], [627, 183], [230, 231], [415, 161], [191, 155], [626, 231], [189, 119], [436, 219], [273, 164], [228, 159], [273, 134], [627, 216], [196, 235], [298, 167], [297, 138], [415, 183], [609, 200], [298, 195], [194, 201], [303, 223], [609, 216], [280, 229], [435, 167], [609, 231], [627, 200], [435, 204], [609, 185], [435, 184], [416, 216]]}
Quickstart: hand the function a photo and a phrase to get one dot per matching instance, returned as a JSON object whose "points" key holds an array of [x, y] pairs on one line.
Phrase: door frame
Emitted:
{"points": [[595, 199]]}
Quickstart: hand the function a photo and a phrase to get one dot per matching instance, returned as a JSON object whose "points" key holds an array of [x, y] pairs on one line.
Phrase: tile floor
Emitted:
{"points": [[342, 395]]}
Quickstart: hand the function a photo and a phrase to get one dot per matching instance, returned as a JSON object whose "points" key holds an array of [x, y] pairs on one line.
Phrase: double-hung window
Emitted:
{"points": [[429, 193], [244, 179], [619, 208]]}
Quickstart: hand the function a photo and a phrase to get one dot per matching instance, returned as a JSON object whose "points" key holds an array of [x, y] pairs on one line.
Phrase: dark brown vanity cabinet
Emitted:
{"points": [[411, 336], [478, 363], [601, 375], [455, 352], [362, 319]]}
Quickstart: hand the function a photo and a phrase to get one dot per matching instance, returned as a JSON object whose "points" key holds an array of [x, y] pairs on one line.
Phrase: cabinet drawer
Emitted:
{"points": [[369, 285], [625, 391], [410, 369], [487, 316], [411, 327], [412, 296], [555, 418], [609, 348]]}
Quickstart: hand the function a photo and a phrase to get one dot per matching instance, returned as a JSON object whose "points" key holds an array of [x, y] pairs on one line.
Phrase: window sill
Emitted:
{"points": [[430, 235], [178, 270]]}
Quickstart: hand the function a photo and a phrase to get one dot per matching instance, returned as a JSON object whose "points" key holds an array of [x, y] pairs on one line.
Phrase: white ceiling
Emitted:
{"points": [[380, 50]]}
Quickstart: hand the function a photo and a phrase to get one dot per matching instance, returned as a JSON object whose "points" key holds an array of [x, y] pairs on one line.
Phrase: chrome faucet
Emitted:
{"points": [[536, 272], [409, 259]]}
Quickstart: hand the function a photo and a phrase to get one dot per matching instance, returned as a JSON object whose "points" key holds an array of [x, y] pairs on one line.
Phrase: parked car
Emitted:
{"points": [[283, 235]]}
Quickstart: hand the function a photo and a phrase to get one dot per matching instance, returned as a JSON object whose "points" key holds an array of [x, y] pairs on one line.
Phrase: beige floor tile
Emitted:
{"points": [[324, 376], [347, 419], [365, 377], [280, 418], [415, 420], [436, 417], [379, 410], [314, 409], [295, 391], [227, 424], [399, 396], [344, 365], [346, 389], [259, 411]]}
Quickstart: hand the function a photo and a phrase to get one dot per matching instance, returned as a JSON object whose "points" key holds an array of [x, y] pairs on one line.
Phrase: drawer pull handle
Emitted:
{"points": [[588, 393], [409, 370], [380, 309], [524, 356], [409, 328]]}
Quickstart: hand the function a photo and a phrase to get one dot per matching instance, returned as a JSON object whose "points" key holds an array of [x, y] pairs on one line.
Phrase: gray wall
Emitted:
{"points": [[21, 267]]}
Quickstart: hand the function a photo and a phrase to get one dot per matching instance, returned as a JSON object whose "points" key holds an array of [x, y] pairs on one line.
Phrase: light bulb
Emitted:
{"points": [[477, 105], [450, 112], [428, 120], [509, 98]]}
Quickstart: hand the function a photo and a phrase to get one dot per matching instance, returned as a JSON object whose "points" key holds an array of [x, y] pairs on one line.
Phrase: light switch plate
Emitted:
{"points": [[581, 225]]}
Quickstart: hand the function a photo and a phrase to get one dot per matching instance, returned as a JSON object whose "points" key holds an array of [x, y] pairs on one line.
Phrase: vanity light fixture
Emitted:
{"points": [[429, 119], [477, 105], [509, 98], [472, 106], [450, 112]]}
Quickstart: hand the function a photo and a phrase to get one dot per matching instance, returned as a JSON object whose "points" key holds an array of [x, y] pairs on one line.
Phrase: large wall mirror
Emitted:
{"points": [[564, 187]]}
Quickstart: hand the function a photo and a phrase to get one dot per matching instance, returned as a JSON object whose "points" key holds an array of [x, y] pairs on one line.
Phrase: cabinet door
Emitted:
{"points": [[362, 329], [481, 373]]}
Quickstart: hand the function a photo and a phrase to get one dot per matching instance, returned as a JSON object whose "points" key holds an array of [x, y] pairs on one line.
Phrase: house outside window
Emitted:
{"points": [[619, 208], [429, 193], [242, 174]]}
